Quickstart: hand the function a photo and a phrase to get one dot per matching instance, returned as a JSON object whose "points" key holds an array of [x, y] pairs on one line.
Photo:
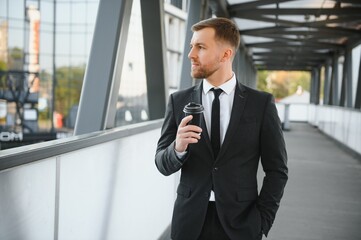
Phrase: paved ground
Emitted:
{"points": [[322, 200]]}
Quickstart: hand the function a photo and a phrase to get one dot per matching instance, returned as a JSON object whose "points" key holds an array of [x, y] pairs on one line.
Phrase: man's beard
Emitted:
{"points": [[204, 72]]}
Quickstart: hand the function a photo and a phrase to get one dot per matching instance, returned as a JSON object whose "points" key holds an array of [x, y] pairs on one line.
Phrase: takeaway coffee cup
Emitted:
{"points": [[196, 110]]}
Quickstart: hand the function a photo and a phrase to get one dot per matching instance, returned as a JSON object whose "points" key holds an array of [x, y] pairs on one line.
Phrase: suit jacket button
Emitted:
{"points": [[215, 169]]}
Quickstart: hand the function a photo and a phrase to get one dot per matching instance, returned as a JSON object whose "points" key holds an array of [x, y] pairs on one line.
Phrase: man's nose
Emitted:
{"points": [[191, 53]]}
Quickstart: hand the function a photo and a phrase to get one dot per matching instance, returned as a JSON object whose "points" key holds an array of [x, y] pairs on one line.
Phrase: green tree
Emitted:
{"points": [[69, 81], [3, 67], [16, 59], [262, 83], [282, 83]]}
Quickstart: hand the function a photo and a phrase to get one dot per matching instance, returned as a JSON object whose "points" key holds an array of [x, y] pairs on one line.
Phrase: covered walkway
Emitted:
{"points": [[322, 196], [102, 182]]}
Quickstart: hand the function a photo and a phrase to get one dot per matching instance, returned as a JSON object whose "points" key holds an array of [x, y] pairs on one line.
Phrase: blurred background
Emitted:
{"points": [[44, 50]]}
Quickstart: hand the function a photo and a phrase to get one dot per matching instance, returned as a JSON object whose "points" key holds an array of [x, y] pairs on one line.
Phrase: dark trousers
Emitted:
{"points": [[212, 228]]}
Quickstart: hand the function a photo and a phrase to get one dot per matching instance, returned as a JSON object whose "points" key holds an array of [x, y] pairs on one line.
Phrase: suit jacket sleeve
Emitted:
{"points": [[166, 159], [274, 163]]}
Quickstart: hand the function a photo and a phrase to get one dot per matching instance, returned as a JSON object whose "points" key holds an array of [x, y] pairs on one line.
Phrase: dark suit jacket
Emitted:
{"points": [[254, 133]]}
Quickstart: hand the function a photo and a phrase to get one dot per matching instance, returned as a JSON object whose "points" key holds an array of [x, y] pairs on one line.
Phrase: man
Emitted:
{"points": [[217, 196]]}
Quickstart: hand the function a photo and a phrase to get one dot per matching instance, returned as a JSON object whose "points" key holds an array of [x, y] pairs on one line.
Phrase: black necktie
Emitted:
{"points": [[215, 122]]}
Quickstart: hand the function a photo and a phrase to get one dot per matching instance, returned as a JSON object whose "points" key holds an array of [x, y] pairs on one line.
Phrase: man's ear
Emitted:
{"points": [[227, 54]]}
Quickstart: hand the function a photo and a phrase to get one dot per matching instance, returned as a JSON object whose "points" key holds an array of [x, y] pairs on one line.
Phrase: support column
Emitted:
{"points": [[155, 56], [312, 87], [197, 11], [102, 76], [317, 85], [346, 87], [235, 64], [326, 86], [333, 97], [252, 81], [242, 66], [358, 90]]}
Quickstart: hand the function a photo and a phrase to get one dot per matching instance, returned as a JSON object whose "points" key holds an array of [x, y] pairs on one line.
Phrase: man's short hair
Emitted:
{"points": [[225, 29]]}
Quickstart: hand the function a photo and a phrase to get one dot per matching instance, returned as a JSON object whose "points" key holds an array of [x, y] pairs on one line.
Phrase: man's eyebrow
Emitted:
{"points": [[198, 44]]}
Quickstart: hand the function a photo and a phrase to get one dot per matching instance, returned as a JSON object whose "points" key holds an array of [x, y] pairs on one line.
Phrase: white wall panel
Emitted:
{"points": [[143, 198], [27, 201], [85, 186], [114, 191], [342, 124]]}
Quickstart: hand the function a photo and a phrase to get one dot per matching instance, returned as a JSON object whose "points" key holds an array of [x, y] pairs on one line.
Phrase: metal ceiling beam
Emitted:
{"points": [[287, 44], [254, 4], [290, 58], [289, 62], [288, 68], [348, 1], [310, 54], [300, 42], [304, 41], [335, 31], [347, 11], [219, 8], [314, 24]]}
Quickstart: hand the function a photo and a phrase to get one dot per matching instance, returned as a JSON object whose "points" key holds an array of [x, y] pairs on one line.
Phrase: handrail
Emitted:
{"points": [[35, 152], [323, 105]]}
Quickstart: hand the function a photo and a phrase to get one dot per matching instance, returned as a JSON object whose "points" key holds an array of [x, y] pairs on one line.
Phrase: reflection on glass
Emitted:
{"points": [[42, 64], [3, 9], [132, 105]]}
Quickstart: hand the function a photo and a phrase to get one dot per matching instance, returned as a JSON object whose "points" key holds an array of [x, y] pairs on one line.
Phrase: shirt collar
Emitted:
{"points": [[227, 87]]}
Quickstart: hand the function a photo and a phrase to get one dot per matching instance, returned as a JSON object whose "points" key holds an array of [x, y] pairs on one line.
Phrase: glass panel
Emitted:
{"points": [[77, 44], [78, 61], [16, 24], [3, 8], [46, 27], [3, 43], [32, 3], [91, 11], [62, 44], [88, 43], [132, 106], [62, 13], [45, 92], [78, 15], [74, 28], [46, 62], [63, 28], [15, 41], [78, 28], [47, 12], [61, 60], [16, 9], [46, 43]]}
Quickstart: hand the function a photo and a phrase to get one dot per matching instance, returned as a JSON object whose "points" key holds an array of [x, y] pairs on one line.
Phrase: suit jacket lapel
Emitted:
{"points": [[240, 97]]}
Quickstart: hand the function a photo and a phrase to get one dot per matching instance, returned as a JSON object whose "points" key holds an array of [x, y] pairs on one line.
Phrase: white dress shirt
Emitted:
{"points": [[226, 103]]}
